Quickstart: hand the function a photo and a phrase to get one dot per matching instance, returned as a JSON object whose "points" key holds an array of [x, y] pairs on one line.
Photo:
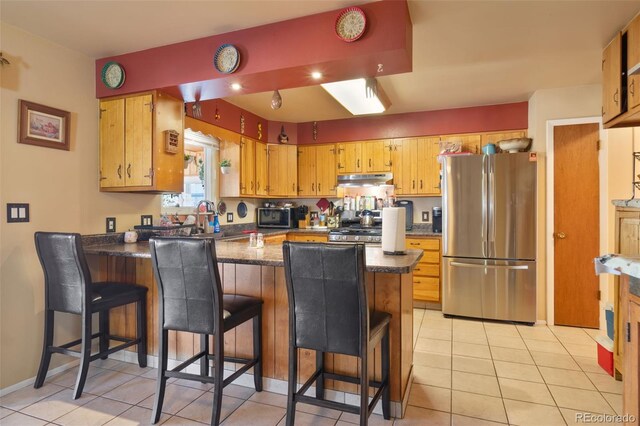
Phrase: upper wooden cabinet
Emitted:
{"points": [[247, 166], [282, 170], [620, 78], [470, 142], [376, 156], [133, 157], [262, 178], [350, 157], [611, 79], [420, 172], [317, 171]]}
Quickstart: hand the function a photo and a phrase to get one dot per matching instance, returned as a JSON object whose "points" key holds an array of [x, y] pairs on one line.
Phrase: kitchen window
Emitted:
{"points": [[200, 174]]}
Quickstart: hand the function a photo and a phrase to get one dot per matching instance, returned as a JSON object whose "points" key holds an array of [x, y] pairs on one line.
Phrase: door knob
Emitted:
{"points": [[560, 235]]}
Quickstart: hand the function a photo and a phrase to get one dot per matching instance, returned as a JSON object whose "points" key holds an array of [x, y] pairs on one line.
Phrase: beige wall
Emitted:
{"points": [[60, 186]]}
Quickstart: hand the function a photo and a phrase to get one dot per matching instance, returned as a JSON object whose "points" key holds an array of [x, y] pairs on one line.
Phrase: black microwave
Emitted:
{"points": [[277, 217]]}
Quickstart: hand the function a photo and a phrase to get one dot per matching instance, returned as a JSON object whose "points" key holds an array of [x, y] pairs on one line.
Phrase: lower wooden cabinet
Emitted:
{"points": [[426, 275], [631, 390], [306, 237], [275, 239]]}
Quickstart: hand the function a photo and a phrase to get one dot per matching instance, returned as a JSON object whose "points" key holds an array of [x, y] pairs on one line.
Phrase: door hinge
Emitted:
{"points": [[598, 145], [101, 111], [150, 175], [628, 332], [151, 106], [599, 295]]}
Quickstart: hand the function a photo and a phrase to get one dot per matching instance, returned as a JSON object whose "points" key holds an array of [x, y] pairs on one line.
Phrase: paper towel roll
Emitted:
{"points": [[393, 230]]}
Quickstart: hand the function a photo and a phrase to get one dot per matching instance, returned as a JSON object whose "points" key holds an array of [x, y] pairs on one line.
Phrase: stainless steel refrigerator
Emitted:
{"points": [[489, 236]]}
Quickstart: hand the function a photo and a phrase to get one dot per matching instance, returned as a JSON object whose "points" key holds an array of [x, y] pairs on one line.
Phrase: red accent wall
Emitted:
{"points": [[442, 122], [279, 55], [291, 129], [230, 118]]}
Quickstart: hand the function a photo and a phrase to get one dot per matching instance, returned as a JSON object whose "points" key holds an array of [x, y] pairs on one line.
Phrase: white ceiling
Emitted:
{"points": [[465, 53]]}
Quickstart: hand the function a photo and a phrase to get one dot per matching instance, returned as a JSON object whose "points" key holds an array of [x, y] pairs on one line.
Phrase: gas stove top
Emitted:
{"points": [[356, 234]]}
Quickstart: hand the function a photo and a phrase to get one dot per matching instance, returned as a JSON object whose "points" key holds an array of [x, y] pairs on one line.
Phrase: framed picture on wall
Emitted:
{"points": [[43, 126]]}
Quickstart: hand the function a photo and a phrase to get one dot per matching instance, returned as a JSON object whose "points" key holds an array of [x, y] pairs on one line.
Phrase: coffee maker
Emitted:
{"points": [[436, 225]]}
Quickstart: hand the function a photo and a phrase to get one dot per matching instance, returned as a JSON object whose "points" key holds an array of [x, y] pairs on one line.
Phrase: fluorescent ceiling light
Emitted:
{"points": [[360, 96]]}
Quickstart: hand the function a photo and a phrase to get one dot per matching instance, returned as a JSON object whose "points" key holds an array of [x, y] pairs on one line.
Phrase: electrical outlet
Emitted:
{"points": [[229, 217], [146, 220], [425, 217], [17, 212], [111, 224]]}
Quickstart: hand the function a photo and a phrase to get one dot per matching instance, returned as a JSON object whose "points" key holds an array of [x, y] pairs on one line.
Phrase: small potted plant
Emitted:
{"points": [[188, 158], [225, 167]]}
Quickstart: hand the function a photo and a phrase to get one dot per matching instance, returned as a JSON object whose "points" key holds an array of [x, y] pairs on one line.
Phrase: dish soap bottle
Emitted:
{"points": [[216, 224]]}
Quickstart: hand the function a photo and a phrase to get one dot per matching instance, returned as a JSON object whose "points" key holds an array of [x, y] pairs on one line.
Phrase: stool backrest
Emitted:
{"points": [[190, 290], [66, 275], [328, 308]]}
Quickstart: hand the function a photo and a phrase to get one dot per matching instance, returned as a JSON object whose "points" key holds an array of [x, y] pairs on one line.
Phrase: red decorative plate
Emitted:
{"points": [[351, 24]]}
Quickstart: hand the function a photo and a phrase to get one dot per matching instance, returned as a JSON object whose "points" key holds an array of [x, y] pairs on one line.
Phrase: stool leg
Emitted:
{"points": [[141, 325], [103, 323], [257, 350], [293, 379], [386, 393], [320, 379], [47, 340], [219, 377], [364, 389], [163, 348], [204, 361], [85, 354]]}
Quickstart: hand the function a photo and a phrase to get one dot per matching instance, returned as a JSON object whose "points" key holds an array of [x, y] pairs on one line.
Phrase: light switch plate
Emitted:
{"points": [[146, 220], [229, 217], [111, 224], [17, 212], [425, 217]]}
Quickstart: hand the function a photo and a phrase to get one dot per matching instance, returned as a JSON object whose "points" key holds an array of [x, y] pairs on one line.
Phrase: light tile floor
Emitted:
{"points": [[465, 373]]}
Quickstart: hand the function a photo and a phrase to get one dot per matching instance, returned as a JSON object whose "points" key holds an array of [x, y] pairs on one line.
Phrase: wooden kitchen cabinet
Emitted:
{"points": [[307, 171], [317, 171], [409, 171], [397, 165], [470, 142], [282, 163], [350, 157], [376, 156], [494, 138], [262, 177], [611, 79], [420, 173], [247, 166], [426, 275], [631, 385], [132, 143], [306, 237], [627, 240], [633, 60]]}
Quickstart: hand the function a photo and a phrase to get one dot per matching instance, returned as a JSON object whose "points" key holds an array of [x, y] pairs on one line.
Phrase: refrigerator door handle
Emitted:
{"points": [[491, 220], [475, 265], [485, 202]]}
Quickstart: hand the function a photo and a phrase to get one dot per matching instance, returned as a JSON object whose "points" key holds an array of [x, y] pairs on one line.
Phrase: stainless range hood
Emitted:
{"points": [[367, 179]]}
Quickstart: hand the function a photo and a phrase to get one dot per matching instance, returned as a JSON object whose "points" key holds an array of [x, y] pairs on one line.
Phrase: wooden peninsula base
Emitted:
{"points": [[388, 291]]}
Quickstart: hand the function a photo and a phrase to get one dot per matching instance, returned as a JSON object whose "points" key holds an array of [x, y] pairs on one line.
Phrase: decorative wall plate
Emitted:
{"points": [[113, 75], [350, 24], [227, 59]]}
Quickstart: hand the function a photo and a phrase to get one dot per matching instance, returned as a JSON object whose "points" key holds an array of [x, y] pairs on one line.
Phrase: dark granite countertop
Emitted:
{"points": [[621, 264], [635, 203], [270, 255]]}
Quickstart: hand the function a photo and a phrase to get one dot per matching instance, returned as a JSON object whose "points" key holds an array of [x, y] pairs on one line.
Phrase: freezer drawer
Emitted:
{"points": [[491, 289]]}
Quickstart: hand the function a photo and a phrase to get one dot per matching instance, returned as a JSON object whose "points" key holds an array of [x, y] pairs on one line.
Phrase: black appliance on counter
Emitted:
{"points": [[408, 205], [277, 217], [437, 219]]}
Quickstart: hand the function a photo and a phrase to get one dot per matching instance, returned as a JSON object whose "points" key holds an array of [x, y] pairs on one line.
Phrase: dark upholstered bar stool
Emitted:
{"points": [[68, 288], [329, 312], [191, 299]]}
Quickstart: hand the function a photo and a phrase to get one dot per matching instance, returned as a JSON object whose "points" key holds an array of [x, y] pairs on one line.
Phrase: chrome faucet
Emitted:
{"points": [[210, 206]]}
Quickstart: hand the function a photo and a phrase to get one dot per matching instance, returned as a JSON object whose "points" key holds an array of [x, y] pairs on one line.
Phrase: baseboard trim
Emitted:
{"points": [[541, 322], [32, 380]]}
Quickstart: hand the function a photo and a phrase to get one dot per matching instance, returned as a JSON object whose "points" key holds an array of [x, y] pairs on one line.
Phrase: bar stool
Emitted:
{"points": [[68, 288], [329, 312], [191, 299]]}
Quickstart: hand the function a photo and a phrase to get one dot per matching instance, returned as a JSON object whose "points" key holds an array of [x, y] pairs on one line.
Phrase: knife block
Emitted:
{"points": [[304, 223]]}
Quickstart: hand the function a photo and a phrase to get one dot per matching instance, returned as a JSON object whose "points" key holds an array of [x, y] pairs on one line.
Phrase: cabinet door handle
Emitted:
{"points": [[369, 162], [129, 171], [252, 185], [293, 187], [318, 187], [420, 183], [615, 97], [119, 171], [258, 186], [313, 187], [358, 163], [413, 184], [632, 88]]}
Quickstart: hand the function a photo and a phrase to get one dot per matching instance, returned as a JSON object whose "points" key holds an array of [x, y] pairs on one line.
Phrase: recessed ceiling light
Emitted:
{"points": [[236, 86], [317, 75]]}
